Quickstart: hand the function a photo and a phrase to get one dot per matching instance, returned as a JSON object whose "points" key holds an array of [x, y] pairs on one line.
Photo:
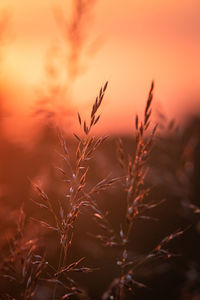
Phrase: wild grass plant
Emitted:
{"points": [[78, 236], [28, 266]]}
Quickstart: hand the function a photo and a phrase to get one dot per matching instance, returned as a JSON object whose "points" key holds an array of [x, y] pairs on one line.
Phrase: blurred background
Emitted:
{"points": [[54, 57], [66, 50]]}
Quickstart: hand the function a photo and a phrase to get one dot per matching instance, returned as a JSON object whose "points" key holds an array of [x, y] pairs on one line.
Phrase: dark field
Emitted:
{"points": [[46, 227]]}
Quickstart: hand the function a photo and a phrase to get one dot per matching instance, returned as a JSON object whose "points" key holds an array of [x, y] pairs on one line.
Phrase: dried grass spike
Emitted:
{"points": [[105, 86], [79, 119]]}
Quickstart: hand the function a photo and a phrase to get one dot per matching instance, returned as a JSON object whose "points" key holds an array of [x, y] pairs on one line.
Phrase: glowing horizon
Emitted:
{"points": [[128, 43]]}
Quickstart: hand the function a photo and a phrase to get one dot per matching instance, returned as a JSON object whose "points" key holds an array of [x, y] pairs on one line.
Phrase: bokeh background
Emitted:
{"points": [[128, 43], [54, 57]]}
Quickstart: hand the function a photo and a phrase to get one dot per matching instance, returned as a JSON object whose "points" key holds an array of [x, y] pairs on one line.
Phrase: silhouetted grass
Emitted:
{"points": [[30, 266]]}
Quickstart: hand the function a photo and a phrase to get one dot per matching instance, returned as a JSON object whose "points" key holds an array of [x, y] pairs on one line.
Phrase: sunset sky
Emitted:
{"points": [[128, 43]]}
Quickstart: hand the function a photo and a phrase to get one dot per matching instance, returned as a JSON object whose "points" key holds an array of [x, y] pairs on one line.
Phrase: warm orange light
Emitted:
{"points": [[127, 42]]}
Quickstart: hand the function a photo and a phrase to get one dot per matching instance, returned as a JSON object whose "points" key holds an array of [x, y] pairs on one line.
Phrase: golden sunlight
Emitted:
{"points": [[128, 43]]}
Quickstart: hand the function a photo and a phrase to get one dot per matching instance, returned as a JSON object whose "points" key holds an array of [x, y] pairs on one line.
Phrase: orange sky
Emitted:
{"points": [[127, 42]]}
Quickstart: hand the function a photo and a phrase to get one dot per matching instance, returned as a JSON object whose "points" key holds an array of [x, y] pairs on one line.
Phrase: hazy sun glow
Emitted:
{"points": [[126, 42]]}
